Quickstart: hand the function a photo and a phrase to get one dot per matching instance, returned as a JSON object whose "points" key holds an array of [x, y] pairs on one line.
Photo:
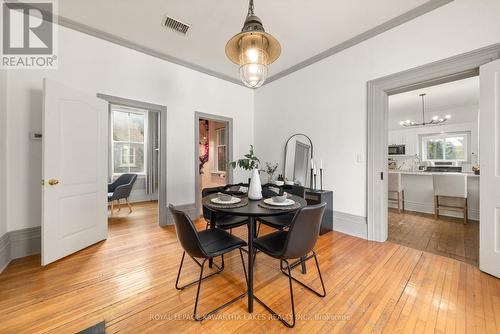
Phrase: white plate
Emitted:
{"points": [[286, 202], [233, 200]]}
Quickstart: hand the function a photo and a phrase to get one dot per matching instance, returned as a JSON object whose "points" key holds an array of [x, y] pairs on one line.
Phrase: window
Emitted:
{"points": [[220, 145], [445, 147], [128, 139]]}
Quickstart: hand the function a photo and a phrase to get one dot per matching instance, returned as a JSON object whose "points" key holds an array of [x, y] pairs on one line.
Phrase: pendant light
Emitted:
{"points": [[434, 121], [253, 50]]}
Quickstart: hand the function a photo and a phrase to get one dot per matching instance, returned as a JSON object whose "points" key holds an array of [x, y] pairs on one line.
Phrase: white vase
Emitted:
{"points": [[255, 188]]}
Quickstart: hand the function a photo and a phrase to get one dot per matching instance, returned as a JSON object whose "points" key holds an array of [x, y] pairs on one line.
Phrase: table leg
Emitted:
{"points": [[251, 230], [213, 217]]}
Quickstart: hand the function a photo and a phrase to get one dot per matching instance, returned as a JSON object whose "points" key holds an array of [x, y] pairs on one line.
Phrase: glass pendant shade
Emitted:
{"points": [[253, 60], [253, 50], [253, 75]]}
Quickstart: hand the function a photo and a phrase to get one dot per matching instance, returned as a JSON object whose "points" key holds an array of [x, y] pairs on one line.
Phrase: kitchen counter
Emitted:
{"points": [[419, 192], [419, 172]]}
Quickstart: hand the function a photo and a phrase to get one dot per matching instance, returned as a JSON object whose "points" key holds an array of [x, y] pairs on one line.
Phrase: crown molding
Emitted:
{"points": [[398, 20], [401, 19]]}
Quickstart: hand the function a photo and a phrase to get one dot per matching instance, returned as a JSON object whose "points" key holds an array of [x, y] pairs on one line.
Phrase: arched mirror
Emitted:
{"points": [[297, 160]]}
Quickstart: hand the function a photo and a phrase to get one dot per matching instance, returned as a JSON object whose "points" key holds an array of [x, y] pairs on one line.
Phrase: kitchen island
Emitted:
{"points": [[419, 193]]}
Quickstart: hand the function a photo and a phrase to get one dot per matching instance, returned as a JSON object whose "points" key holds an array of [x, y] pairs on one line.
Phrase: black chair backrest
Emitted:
{"points": [[124, 179], [206, 192], [123, 185], [186, 233], [234, 189], [295, 190], [304, 231], [270, 190]]}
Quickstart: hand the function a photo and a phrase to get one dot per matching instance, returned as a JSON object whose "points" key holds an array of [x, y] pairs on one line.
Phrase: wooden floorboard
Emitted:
{"points": [[444, 236], [128, 281]]}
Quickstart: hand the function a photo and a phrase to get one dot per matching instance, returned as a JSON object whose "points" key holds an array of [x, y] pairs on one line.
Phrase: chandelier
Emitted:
{"points": [[253, 50], [434, 121]]}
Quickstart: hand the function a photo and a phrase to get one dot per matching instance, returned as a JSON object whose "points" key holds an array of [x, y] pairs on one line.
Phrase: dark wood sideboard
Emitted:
{"points": [[319, 196]]}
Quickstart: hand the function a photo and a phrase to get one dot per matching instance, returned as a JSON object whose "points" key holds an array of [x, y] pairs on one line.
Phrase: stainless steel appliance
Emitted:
{"points": [[397, 150]]}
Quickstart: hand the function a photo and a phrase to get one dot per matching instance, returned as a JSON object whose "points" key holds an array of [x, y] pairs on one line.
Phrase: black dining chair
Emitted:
{"points": [[226, 222], [296, 243], [121, 189], [204, 245], [282, 221]]}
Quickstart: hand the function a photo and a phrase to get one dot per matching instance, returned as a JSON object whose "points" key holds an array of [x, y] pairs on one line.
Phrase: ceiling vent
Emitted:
{"points": [[174, 24]]}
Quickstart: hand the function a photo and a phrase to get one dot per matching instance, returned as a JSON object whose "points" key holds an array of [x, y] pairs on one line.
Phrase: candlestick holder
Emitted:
{"points": [[321, 179], [314, 181], [311, 183]]}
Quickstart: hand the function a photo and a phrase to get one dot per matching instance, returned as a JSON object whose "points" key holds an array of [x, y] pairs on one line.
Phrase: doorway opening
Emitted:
{"points": [[483, 62], [136, 173], [433, 167], [213, 151], [133, 160]]}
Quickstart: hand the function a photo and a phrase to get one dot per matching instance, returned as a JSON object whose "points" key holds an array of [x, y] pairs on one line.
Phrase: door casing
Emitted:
{"points": [[229, 122], [163, 214], [447, 70]]}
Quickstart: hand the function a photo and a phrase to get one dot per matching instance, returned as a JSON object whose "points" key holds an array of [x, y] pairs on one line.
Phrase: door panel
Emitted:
{"points": [[75, 147], [489, 148]]}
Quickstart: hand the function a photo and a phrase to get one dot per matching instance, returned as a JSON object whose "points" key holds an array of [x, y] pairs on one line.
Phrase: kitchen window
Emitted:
{"points": [[445, 147], [220, 146], [128, 133]]}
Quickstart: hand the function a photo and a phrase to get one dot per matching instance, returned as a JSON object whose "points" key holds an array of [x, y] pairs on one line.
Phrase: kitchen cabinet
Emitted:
{"points": [[407, 137]]}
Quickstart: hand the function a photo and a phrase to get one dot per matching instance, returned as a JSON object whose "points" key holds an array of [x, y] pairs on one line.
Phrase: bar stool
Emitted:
{"points": [[450, 186], [396, 186]]}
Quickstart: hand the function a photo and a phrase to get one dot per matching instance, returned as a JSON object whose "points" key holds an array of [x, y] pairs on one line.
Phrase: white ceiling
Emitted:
{"points": [[304, 28], [454, 98]]}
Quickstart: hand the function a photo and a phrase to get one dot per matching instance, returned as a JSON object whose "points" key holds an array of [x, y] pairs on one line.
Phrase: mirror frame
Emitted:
{"points": [[286, 148]]}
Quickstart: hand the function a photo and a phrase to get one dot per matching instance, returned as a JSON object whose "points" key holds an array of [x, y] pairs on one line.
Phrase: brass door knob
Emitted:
{"points": [[53, 182]]}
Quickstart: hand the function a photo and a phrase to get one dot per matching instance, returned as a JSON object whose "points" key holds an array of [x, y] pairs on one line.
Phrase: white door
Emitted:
{"points": [[74, 195], [489, 141]]}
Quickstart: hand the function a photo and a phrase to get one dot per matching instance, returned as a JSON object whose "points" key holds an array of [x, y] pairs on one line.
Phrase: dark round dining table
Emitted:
{"points": [[252, 210]]}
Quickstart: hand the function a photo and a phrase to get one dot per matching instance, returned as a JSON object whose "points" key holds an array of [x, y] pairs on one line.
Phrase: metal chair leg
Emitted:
{"points": [[302, 260], [289, 268], [219, 270], [279, 317], [196, 316]]}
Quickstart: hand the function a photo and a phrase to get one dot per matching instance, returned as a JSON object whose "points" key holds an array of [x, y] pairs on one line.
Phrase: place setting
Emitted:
{"points": [[279, 202], [224, 201]]}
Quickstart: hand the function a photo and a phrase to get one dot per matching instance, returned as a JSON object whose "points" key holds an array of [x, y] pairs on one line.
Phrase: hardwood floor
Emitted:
{"points": [[128, 281], [445, 236]]}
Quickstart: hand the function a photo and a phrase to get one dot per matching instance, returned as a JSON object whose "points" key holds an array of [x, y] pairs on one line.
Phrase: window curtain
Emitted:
{"points": [[152, 149]]}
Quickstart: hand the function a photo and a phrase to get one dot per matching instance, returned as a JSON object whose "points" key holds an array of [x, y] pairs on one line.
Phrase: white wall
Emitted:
{"points": [[327, 100], [3, 152], [96, 66]]}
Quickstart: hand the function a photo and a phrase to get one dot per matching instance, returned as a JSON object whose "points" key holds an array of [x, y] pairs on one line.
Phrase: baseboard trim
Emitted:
{"points": [[353, 225], [19, 243], [4, 251]]}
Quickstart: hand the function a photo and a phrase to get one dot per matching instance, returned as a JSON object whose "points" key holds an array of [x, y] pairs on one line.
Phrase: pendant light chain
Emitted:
{"points": [[253, 49], [250, 8]]}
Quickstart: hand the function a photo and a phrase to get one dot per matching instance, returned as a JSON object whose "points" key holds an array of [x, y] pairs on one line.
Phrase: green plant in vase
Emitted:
{"points": [[251, 163]]}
